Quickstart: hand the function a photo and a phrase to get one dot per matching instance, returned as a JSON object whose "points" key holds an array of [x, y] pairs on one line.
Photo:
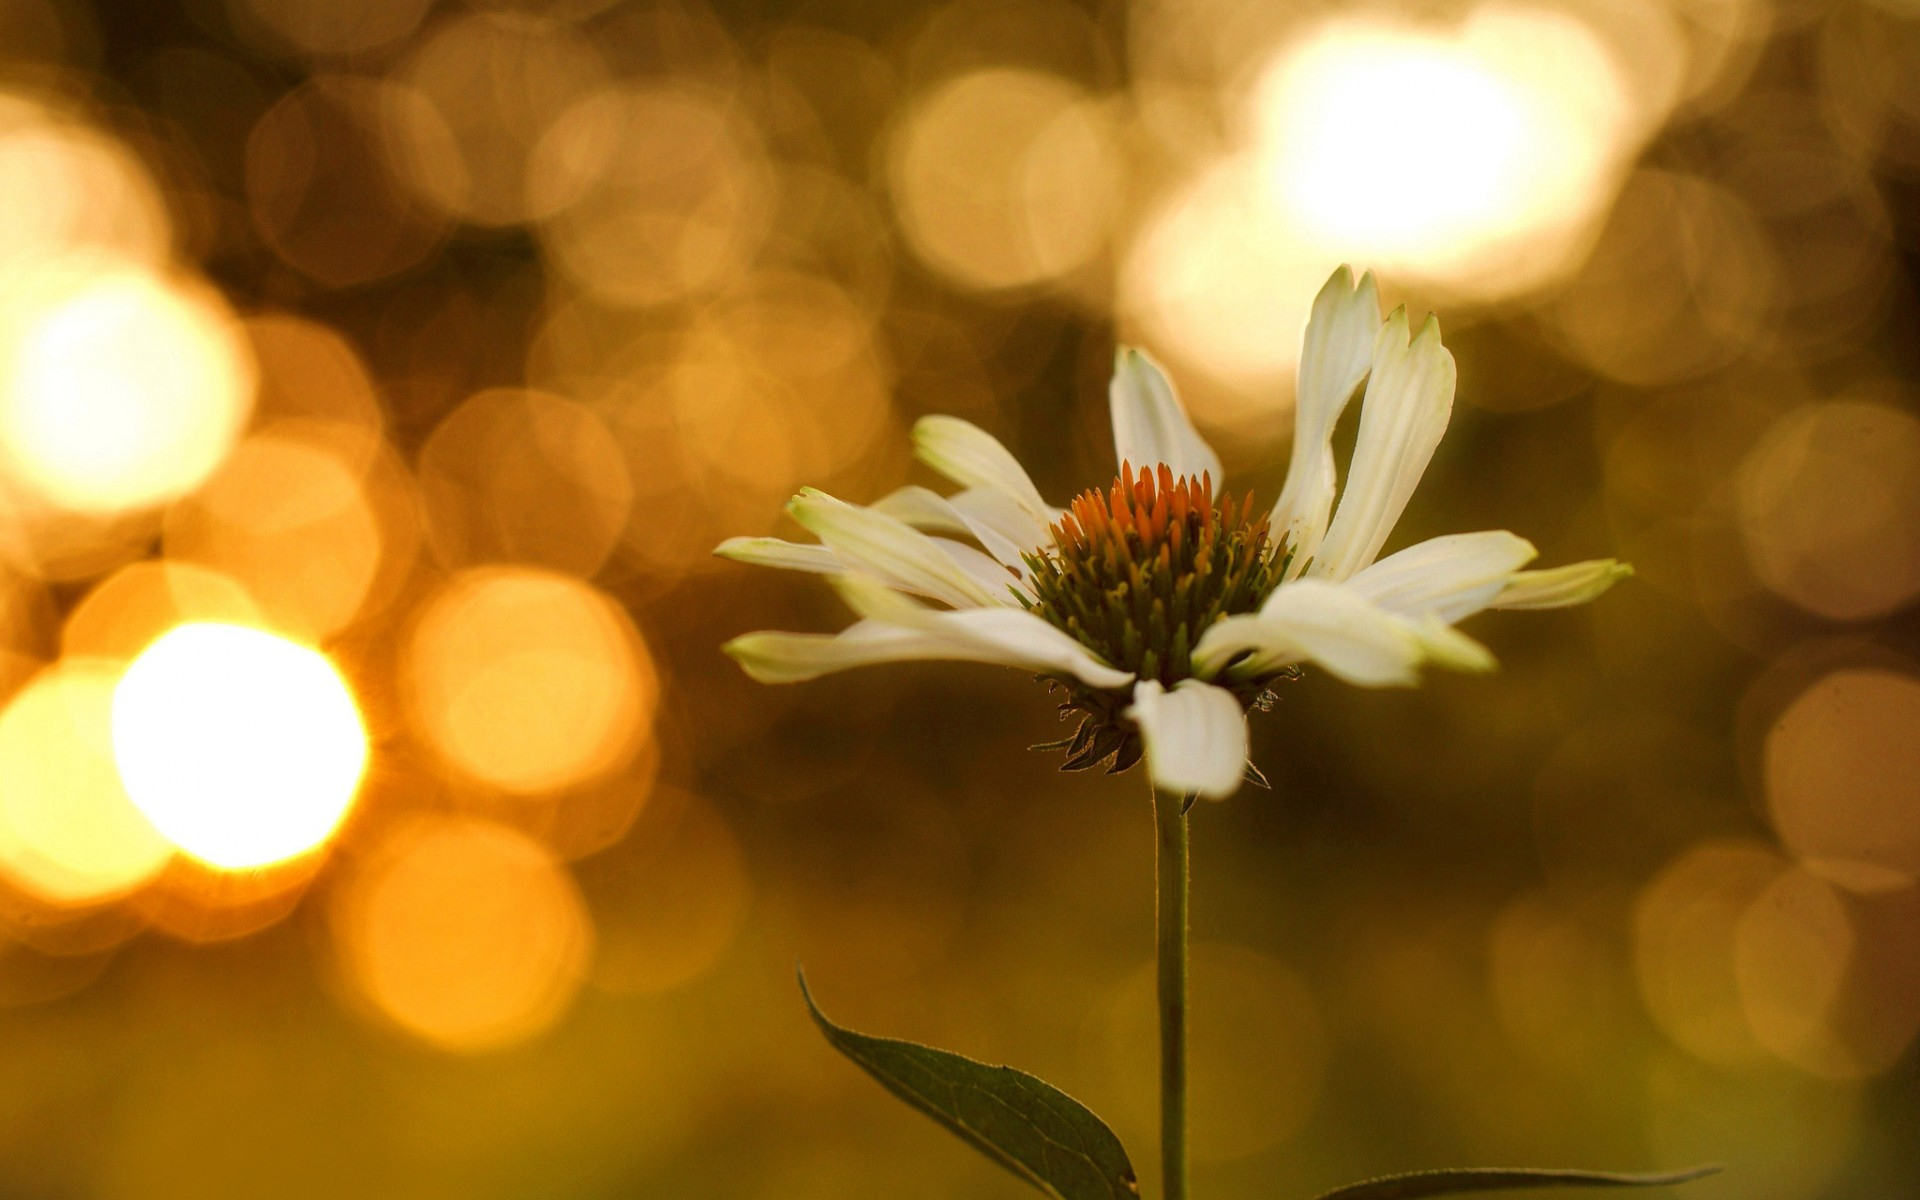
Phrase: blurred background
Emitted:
{"points": [[448, 338]]}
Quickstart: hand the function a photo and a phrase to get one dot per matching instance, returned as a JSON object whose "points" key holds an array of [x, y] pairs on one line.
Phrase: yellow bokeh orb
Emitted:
{"points": [[242, 747], [119, 388], [529, 681], [1434, 151], [68, 833], [465, 934]]}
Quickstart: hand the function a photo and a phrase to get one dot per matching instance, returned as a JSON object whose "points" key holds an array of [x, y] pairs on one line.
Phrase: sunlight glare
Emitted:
{"points": [[466, 934], [243, 748], [1427, 151], [68, 833], [118, 388]]}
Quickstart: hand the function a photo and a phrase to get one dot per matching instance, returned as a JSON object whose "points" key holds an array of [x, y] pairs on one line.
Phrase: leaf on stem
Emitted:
{"points": [[1416, 1185], [1033, 1129]]}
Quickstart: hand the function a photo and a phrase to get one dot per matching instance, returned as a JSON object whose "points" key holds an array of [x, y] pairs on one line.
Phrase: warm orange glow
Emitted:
{"points": [[465, 934], [67, 188], [672, 914], [521, 476], [1686, 925], [529, 681], [1792, 950], [310, 377], [1476, 156], [1843, 778], [323, 183], [127, 610], [243, 748], [1007, 177], [1830, 508], [289, 519], [1429, 149], [331, 26], [661, 193], [118, 388], [492, 86], [68, 832]]}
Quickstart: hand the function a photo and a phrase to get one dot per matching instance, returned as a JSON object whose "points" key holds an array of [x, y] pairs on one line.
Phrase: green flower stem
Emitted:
{"points": [[1170, 861]]}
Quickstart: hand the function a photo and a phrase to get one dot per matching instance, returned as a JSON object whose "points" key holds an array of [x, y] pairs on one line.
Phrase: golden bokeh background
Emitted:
{"points": [[378, 817]]}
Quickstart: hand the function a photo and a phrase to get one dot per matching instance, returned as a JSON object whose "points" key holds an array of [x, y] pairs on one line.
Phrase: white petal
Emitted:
{"points": [[1310, 620], [974, 458], [1447, 647], [888, 549], [1149, 425], [1335, 354], [1011, 636], [795, 657], [1008, 531], [1195, 735], [992, 574], [1402, 418], [922, 508], [1028, 641], [1559, 587], [773, 552], [1450, 577]]}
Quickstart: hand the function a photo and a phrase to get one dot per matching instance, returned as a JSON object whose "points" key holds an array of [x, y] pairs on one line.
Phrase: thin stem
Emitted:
{"points": [[1170, 860]]}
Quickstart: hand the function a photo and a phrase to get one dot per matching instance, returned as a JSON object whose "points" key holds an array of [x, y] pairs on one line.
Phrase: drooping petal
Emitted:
{"points": [[1335, 354], [1030, 642], [1149, 425], [1560, 587], [1450, 577], [992, 574], [1011, 636], [1311, 620], [1447, 647], [974, 458], [1006, 530], [1195, 735], [890, 550], [773, 552], [772, 657], [922, 508], [1402, 418]]}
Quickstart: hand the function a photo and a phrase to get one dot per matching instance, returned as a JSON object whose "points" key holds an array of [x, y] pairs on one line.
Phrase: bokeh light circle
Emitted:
{"points": [[1520, 118], [524, 476], [466, 934], [242, 747], [68, 832], [119, 388], [1007, 177], [1830, 509], [1842, 770], [529, 681]]}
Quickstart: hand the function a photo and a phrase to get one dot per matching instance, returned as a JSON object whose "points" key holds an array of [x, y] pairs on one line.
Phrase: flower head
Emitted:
{"points": [[1164, 607]]}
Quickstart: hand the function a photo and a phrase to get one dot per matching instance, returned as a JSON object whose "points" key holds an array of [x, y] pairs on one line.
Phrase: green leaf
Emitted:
{"points": [[1031, 1128], [1415, 1185]]}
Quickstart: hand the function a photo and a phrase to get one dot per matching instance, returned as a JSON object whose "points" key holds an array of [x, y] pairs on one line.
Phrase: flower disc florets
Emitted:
{"points": [[1137, 572]]}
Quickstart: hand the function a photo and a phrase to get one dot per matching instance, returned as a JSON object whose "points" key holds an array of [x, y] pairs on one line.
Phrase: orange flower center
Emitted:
{"points": [[1136, 573]]}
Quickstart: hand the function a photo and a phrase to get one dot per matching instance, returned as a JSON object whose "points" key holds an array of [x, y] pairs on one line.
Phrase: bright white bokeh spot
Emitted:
{"points": [[241, 747], [118, 388], [1428, 148], [1355, 144], [1472, 160]]}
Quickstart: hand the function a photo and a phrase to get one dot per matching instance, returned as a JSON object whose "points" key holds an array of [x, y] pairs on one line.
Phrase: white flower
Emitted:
{"points": [[1165, 609]]}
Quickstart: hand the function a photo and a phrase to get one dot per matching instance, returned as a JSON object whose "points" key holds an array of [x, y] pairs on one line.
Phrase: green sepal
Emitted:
{"points": [[1416, 1185], [1031, 1128]]}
